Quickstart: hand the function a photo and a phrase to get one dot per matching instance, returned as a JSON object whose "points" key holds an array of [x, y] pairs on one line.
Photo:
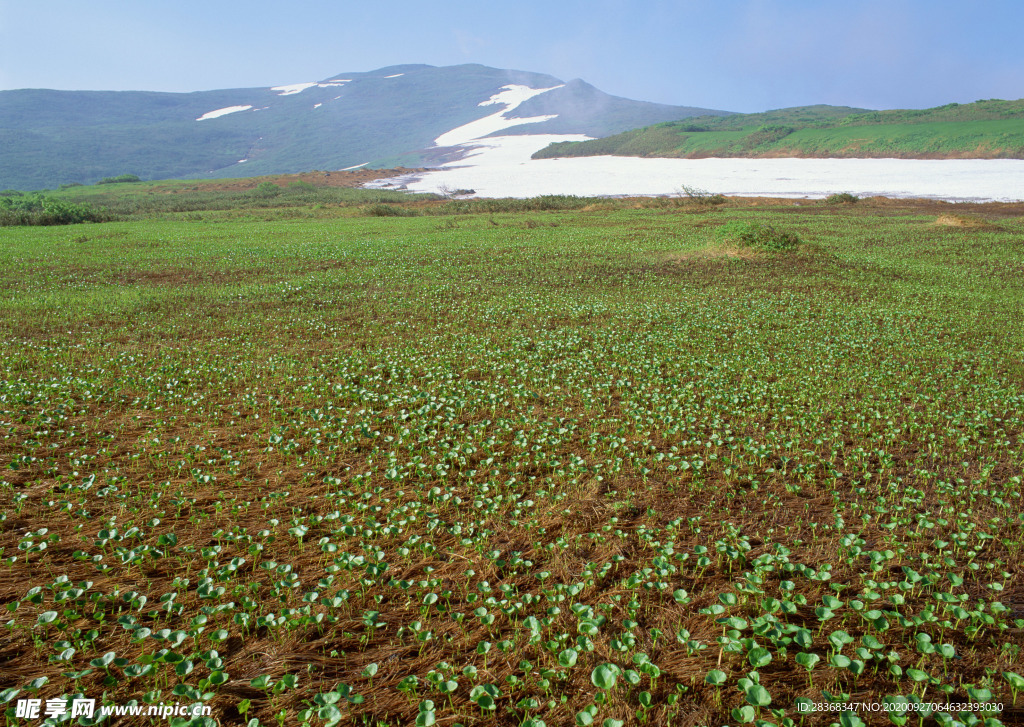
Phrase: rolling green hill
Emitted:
{"points": [[990, 129]]}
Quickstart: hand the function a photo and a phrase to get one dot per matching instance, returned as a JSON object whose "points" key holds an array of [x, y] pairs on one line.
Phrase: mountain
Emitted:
{"points": [[379, 118], [991, 129]]}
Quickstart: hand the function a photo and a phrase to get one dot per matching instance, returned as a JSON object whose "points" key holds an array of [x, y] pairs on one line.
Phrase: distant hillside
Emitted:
{"points": [[579, 108], [378, 118], [990, 129]]}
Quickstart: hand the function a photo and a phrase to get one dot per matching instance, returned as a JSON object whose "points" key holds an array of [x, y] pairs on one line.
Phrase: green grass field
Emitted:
{"points": [[602, 466]]}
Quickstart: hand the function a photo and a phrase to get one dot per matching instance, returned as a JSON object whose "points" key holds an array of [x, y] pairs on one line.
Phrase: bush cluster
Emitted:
{"points": [[544, 203], [767, 134], [266, 189], [120, 179], [759, 236], [386, 210], [39, 210], [702, 196]]}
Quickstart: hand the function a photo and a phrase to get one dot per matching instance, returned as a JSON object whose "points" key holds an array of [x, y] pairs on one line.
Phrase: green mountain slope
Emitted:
{"points": [[370, 118], [982, 130]]}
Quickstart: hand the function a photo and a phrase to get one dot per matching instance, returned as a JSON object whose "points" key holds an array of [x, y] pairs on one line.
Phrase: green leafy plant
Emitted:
{"points": [[842, 198], [759, 236]]}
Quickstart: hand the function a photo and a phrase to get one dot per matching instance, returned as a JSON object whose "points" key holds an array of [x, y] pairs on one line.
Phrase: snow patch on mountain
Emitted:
{"points": [[294, 88], [511, 96], [222, 112], [483, 157]]}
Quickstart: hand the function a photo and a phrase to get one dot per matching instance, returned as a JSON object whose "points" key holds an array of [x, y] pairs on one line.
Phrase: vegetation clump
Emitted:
{"points": [[39, 210], [267, 189], [842, 198], [543, 203], [382, 209], [759, 236], [700, 196], [120, 179]]}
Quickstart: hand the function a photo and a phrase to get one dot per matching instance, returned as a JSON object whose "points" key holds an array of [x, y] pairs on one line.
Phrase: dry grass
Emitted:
{"points": [[968, 222], [715, 251]]}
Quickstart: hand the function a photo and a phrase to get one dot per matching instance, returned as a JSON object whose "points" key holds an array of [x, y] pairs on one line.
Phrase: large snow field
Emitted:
{"points": [[501, 167]]}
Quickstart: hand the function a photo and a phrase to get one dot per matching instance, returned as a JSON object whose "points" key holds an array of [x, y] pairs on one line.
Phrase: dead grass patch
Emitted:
{"points": [[969, 222], [713, 252]]}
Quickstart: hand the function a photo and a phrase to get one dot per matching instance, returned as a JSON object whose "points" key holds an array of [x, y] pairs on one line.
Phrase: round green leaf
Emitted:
{"points": [[605, 676], [46, 617], [807, 660], [758, 696], [744, 714], [715, 677], [759, 657]]}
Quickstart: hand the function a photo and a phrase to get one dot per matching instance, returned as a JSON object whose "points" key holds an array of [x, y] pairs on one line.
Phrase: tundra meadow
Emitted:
{"points": [[621, 462]]}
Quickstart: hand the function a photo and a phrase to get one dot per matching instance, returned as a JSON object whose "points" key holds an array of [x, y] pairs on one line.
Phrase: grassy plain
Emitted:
{"points": [[567, 467]]}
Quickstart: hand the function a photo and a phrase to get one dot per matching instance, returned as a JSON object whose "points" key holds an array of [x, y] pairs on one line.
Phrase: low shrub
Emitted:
{"points": [[842, 198], [120, 179], [44, 211], [267, 189], [767, 134], [386, 210], [544, 203], [759, 236], [702, 196]]}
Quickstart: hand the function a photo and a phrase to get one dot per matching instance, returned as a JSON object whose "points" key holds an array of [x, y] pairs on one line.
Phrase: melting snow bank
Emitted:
{"points": [[294, 88], [501, 167], [222, 112], [510, 97]]}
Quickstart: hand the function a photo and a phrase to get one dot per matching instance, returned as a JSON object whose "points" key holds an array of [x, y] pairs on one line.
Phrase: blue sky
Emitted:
{"points": [[739, 55]]}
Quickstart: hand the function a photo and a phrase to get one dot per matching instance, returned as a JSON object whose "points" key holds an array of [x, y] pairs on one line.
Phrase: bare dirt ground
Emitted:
{"points": [[354, 178], [883, 205]]}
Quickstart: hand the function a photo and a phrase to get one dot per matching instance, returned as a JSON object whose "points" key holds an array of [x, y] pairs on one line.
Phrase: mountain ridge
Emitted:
{"points": [[367, 118]]}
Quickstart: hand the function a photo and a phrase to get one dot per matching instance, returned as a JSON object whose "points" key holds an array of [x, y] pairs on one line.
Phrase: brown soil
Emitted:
{"points": [[354, 178], [981, 211]]}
